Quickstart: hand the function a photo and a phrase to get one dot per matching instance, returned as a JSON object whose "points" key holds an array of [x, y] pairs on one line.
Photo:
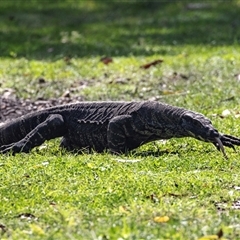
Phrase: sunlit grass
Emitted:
{"points": [[50, 194]]}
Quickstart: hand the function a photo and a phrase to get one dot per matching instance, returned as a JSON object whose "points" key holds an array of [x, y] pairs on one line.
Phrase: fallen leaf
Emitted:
{"points": [[41, 80], [236, 205], [9, 93], [237, 76], [106, 60], [127, 160], [220, 233], [91, 165], [45, 163], [153, 197], [209, 237], [225, 113], [175, 194], [183, 76], [161, 219], [197, 6], [237, 188], [27, 216], [36, 229], [228, 99], [67, 59], [169, 92], [123, 209], [3, 228], [237, 114], [50, 50], [66, 94], [221, 206], [148, 65]]}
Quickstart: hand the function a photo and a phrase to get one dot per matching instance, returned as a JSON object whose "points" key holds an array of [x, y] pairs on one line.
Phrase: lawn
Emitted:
{"points": [[175, 189]]}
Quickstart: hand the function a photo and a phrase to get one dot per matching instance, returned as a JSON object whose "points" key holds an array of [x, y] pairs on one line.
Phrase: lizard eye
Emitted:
{"points": [[197, 124]]}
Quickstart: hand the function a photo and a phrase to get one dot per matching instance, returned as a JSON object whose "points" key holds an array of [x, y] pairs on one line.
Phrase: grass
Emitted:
{"points": [[181, 189], [96, 197]]}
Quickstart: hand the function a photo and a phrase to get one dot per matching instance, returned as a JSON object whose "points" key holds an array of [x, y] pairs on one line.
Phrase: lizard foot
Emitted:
{"points": [[228, 141], [13, 148]]}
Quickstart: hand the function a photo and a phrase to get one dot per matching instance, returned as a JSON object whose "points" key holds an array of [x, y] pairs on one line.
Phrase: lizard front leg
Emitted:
{"points": [[118, 129], [52, 127]]}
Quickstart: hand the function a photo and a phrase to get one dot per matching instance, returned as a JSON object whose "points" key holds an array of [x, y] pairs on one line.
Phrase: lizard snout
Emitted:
{"points": [[208, 134], [213, 133]]}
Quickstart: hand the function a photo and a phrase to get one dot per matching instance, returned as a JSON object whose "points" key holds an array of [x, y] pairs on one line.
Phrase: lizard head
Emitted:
{"points": [[198, 126]]}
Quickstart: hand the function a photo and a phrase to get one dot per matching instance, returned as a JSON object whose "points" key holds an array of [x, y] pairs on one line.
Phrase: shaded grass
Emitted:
{"points": [[49, 194], [37, 30]]}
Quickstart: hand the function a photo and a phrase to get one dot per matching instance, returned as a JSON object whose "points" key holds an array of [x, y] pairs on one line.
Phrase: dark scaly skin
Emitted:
{"points": [[114, 126]]}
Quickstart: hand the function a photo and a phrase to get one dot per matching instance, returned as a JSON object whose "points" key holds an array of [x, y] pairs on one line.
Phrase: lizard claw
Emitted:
{"points": [[220, 146], [230, 141], [226, 140]]}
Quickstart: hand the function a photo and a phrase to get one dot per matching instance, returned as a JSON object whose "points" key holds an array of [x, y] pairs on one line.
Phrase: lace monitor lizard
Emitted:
{"points": [[116, 126]]}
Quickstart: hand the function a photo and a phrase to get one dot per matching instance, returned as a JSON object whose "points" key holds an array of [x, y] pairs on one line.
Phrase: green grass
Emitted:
{"points": [[49, 194]]}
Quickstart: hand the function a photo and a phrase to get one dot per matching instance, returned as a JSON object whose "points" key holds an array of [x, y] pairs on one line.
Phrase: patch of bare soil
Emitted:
{"points": [[13, 107]]}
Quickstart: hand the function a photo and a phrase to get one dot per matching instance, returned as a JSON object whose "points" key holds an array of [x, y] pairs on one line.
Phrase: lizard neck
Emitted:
{"points": [[163, 120]]}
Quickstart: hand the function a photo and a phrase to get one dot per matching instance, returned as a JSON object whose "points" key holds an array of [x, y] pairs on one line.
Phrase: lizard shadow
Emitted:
{"points": [[153, 153], [133, 153]]}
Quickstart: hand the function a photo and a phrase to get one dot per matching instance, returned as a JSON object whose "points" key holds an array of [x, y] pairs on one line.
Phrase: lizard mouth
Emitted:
{"points": [[220, 146]]}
